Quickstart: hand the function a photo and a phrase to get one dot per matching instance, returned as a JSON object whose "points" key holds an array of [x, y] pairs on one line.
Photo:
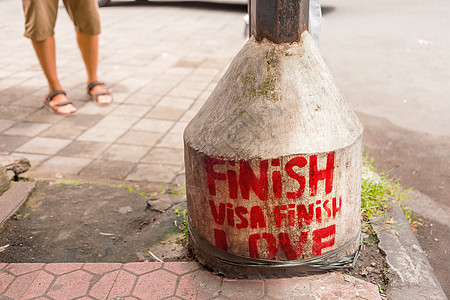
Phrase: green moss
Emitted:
{"points": [[266, 89], [76, 182]]}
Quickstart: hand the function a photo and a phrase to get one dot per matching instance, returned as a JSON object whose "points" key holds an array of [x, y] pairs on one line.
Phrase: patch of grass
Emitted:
{"points": [[184, 225], [377, 194], [17, 216], [130, 189], [382, 291], [414, 220]]}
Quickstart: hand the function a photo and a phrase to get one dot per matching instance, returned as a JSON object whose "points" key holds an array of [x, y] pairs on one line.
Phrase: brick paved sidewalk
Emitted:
{"points": [[162, 61], [165, 281]]}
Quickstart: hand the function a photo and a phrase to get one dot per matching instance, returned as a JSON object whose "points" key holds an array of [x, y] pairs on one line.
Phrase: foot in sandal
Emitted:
{"points": [[56, 102], [98, 93]]}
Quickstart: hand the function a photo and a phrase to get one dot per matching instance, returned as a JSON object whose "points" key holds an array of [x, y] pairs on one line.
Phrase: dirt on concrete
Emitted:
{"points": [[371, 264], [92, 223]]}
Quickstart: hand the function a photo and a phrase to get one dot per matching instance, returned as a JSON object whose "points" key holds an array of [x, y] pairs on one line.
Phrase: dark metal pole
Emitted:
{"points": [[280, 21]]}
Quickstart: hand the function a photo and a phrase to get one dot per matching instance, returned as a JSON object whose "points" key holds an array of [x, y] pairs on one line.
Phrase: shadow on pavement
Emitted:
{"points": [[183, 4], [197, 5], [327, 9]]}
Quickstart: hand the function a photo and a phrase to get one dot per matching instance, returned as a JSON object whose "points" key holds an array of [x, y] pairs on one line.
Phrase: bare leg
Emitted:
{"points": [[46, 53], [89, 51]]}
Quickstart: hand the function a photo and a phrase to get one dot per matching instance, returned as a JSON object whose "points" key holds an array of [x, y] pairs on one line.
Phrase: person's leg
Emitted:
{"points": [[84, 15], [40, 17], [89, 50], [46, 53]]}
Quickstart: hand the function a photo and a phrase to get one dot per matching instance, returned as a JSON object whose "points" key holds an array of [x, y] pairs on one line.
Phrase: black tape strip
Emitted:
{"points": [[320, 262]]}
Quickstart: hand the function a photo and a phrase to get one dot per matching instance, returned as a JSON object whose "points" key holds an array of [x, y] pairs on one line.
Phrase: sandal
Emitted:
{"points": [[96, 95], [55, 107]]}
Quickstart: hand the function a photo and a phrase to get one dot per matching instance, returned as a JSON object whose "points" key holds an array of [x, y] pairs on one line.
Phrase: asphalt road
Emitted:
{"points": [[390, 59]]}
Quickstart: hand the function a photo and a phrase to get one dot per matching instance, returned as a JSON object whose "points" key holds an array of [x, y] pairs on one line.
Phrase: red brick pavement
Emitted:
{"points": [[171, 280]]}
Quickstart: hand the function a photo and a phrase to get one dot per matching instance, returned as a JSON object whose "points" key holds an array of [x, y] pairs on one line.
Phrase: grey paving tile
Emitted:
{"points": [[130, 110], [212, 86], [166, 113], [42, 115], [204, 96], [29, 73], [119, 98], [34, 100], [178, 128], [189, 84], [175, 70], [140, 138], [43, 145], [108, 169], [6, 83], [133, 84], [27, 129], [143, 99], [101, 134], [91, 108], [82, 120], [128, 153], [5, 124], [197, 105], [192, 63], [33, 84], [4, 100], [84, 149], [6, 73], [198, 82], [117, 121], [62, 131], [159, 87], [9, 96], [63, 164], [154, 173], [187, 117], [10, 143], [175, 102], [14, 112], [154, 125], [167, 156], [171, 141]]}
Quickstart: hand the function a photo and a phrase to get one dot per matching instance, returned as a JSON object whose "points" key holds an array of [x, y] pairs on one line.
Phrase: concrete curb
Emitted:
{"points": [[14, 197], [409, 272]]}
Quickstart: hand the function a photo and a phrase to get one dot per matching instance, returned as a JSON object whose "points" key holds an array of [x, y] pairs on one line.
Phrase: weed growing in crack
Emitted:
{"points": [[179, 191], [377, 194], [184, 226]]}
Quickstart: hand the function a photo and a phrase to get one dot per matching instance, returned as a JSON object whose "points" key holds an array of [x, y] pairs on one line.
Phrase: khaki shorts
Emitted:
{"points": [[40, 17]]}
